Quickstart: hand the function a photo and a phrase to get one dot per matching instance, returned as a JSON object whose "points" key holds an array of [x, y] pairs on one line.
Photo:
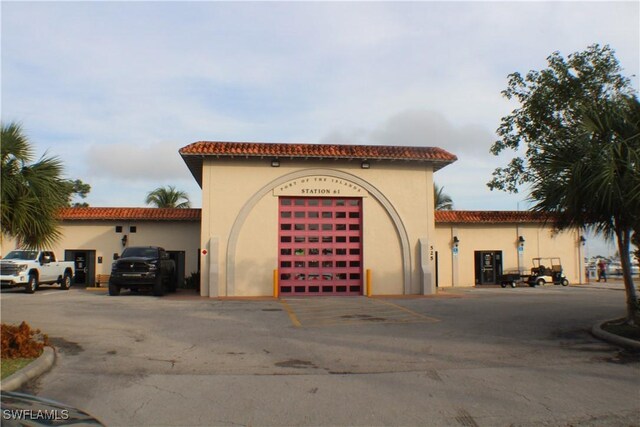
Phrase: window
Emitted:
{"points": [[118, 229]]}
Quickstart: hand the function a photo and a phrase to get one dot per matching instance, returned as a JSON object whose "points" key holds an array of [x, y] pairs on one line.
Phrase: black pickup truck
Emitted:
{"points": [[143, 267]]}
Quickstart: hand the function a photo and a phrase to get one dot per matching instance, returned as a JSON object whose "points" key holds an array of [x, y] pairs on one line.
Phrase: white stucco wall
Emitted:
{"points": [[256, 253], [540, 241], [240, 191], [102, 237]]}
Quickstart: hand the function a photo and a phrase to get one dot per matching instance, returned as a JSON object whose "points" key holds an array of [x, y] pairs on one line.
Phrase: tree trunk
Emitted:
{"points": [[624, 237]]}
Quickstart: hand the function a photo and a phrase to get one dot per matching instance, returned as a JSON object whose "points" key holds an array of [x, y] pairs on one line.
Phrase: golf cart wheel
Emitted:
{"points": [[540, 282], [503, 284], [565, 282], [513, 284]]}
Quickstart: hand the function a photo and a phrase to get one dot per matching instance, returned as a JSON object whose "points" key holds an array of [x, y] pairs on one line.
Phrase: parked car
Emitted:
{"points": [[19, 409], [142, 267], [34, 268], [547, 270]]}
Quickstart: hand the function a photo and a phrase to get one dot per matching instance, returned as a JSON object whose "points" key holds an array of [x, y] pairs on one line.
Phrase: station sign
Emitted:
{"points": [[320, 186]]}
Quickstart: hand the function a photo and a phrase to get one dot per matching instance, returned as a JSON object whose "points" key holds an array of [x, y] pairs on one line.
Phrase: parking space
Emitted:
{"points": [[331, 311], [478, 357]]}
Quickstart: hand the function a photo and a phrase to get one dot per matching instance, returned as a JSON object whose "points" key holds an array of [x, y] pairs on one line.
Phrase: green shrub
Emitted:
{"points": [[192, 281]]}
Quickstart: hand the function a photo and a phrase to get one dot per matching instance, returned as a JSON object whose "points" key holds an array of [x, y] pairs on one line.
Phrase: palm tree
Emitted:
{"points": [[635, 239], [31, 192], [442, 201], [168, 197], [592, 179]]}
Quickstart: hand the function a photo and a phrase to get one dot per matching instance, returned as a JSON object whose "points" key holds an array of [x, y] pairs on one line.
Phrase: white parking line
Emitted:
{"points": [[37, 293], [331, 311]]}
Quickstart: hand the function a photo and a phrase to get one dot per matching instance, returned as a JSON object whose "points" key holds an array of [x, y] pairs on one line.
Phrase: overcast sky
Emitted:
{"points": [[116, 88]]}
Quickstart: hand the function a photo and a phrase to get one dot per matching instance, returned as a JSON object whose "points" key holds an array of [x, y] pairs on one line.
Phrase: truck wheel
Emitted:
{"points": [[540, 282], [158, 287], [66, 281], [114, 290], [565, 282], [32, 284], [173, 283]]}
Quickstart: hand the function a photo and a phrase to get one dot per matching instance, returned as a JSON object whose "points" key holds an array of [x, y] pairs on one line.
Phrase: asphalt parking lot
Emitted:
{"points": [[473, 357], [332, 311]]}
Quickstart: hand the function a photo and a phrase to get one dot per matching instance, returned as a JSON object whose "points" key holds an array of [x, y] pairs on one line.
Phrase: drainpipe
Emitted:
{"points": [[455, 279]]}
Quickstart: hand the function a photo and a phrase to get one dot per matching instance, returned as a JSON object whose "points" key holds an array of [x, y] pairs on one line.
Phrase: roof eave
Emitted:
{"points": [[195, 161]]}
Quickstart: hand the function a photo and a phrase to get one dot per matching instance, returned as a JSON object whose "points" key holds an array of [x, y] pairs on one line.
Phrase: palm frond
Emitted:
{"points": [[168, 197], [442, 201], [31, 192]]}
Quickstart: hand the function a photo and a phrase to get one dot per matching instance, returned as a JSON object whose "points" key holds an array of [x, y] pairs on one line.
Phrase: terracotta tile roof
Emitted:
{"points": [[193, 153], [479, 217], [261, 149], [154, 214], [137, 214]]}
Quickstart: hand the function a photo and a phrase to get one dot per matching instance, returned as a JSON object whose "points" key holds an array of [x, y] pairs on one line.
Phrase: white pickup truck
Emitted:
{"points": [[33, 268]]}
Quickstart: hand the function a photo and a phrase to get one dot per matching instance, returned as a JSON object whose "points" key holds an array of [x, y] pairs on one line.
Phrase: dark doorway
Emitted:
{"points": [[488, 267], [436, 269], [179, 258], [84, 266]]}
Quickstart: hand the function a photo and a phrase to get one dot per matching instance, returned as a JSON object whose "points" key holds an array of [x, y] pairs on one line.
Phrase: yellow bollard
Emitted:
{"points": [[275, 283], [368, 282]]}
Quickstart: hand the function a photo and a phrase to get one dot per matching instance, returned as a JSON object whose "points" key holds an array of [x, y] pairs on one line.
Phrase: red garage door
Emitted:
{"points": [[320, 246]]}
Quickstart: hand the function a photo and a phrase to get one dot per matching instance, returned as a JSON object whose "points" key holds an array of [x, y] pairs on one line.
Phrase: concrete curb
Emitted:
{"points": [[34, 369], [598, 332]]}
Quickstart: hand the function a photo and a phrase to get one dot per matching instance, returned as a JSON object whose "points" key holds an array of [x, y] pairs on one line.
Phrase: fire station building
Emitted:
{"points": [[308, 220], [315, 219]]}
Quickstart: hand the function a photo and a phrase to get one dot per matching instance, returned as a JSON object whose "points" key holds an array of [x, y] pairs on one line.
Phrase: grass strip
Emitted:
{"points": [[10, 366]]}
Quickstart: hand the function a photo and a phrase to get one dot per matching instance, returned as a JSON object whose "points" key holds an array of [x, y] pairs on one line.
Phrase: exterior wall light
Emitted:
{"points": [[275, 163], [365, 164], [521, 240], [583, 241], [124, 240], [456, 241]]}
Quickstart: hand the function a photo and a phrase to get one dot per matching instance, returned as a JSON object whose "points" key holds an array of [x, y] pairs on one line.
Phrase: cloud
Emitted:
{"points": [[116, 88], [421, 127], [418, 128], [138, 162], [464, 180], [121, 174]]}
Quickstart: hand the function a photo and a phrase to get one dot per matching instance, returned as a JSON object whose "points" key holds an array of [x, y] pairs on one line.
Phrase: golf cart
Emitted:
{"points": [[547, 270]]}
